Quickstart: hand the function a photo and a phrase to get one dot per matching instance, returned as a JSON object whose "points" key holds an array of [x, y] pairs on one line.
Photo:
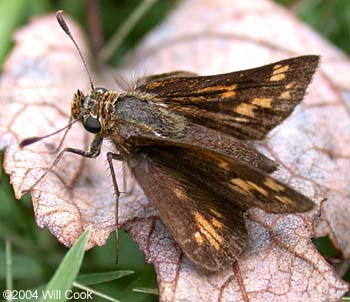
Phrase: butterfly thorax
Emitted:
{"points": [[123, 116], [131, 117]]}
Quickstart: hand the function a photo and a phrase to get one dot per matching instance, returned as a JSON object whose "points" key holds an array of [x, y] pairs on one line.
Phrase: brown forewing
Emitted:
{"points": [[246, 104]]}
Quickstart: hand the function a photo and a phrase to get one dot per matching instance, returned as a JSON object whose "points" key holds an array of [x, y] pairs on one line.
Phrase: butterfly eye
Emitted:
{"points": [[92, 124], [101, 90]]}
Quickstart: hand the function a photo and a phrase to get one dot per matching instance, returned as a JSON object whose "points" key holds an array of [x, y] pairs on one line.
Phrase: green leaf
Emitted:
{"points": [[96, 278], [152, 291], [95, 292], [9, 274], [68, 270], [17, 9]]}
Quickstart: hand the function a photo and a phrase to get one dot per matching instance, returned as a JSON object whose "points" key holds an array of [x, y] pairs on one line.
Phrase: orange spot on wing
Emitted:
{"points": [[277, 77], [278, 73], [218, 88], [290, 85], [263, 102], [245, 109], [280, 69], [153, 85], [258, 189], [217, 223], [269, 182], [199, 239], [216, 213], [181, 194], [285, 95], [208, 231], [284, 199], [228, 94]]}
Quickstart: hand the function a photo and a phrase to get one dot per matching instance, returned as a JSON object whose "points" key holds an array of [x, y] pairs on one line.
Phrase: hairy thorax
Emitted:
{"points": [[128, 116]]}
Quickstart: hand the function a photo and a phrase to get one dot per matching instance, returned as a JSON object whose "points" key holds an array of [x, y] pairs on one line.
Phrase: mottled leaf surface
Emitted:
{"points": [[207, 37]]}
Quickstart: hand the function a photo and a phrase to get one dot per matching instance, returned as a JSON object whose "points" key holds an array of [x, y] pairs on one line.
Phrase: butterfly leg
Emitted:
{"points": [[110, 157], [63, 137], [94, 151]]}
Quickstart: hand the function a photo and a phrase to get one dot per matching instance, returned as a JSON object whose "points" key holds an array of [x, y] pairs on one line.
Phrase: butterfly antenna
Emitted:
{"points": [[65, 27], [34, 139]]}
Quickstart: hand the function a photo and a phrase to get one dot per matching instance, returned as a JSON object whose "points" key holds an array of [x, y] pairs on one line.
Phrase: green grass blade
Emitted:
{"points": [[9, 275], [95, 292], [68, 270], [152, 291], [17, 9], [97, 278], [125, 29]]}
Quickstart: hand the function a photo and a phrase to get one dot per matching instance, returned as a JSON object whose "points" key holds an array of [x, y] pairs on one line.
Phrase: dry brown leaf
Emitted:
{"points": [[208, 37]]}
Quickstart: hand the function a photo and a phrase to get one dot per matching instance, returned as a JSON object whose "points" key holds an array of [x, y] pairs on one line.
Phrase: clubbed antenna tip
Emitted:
{"points": [[34, 139], [29, 141], [64, 26]]}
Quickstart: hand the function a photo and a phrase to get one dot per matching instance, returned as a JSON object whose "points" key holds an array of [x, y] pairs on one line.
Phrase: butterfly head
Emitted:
{"points": [[87, 108]]}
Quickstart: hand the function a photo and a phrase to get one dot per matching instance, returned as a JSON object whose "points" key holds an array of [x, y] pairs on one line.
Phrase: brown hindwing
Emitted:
{"points": [[202, 196]]}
